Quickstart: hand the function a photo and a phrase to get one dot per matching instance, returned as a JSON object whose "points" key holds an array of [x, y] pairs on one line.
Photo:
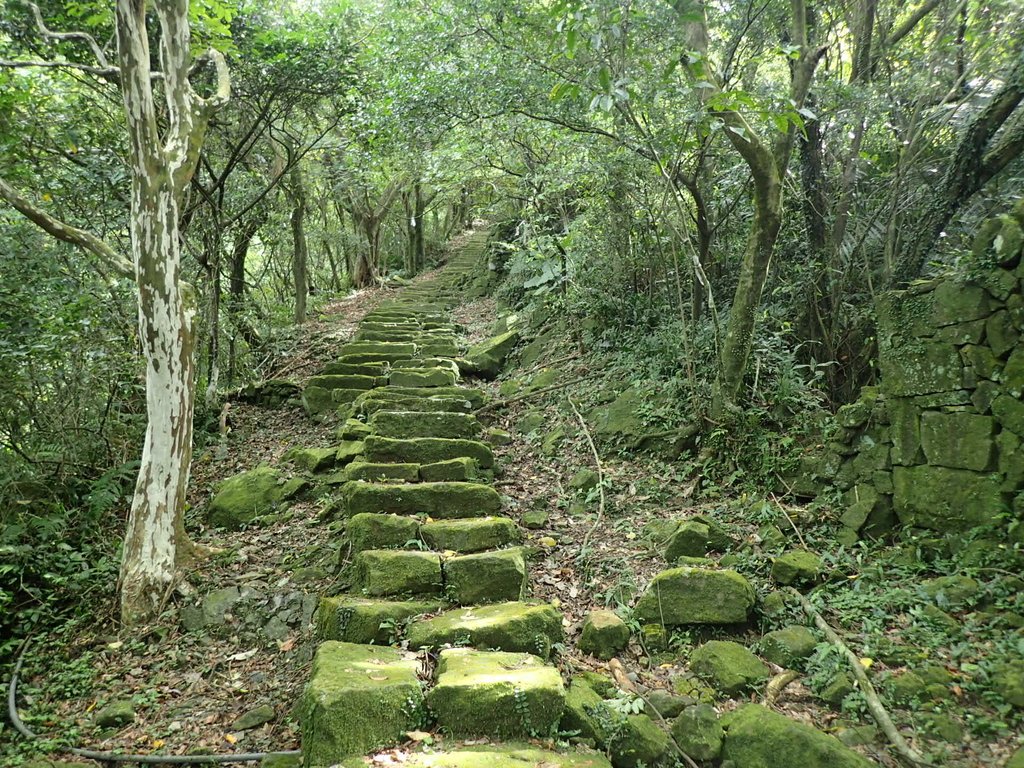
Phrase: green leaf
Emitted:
{"points": [[604, 76]]}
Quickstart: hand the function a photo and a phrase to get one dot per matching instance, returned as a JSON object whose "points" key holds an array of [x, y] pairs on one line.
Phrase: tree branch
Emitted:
{"points": [[88, 39], [69, 234]]}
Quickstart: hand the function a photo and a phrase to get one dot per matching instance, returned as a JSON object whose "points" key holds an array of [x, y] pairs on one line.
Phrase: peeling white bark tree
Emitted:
{"points": [[162, 163]]}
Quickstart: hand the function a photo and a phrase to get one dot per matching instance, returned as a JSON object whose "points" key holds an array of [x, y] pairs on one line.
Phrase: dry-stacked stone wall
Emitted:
{"points": [[938, 444]]}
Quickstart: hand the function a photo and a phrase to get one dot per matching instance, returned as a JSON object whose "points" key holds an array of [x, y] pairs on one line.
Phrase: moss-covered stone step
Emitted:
{"points": [[335, 381], [383, 400], [364, 470], [687, 595], [378, 348], [387, 572], [375, 531], [463, 469], [439, 348], [440, 500], [485, 577], [412, 335], [475, 396], [517, 627], [426, 450], [354, 369], [360, 358], [317, 400], [503, 756], [359, 698], [406, 424], [470, 535], [362, 620], [423, 377], [496, 694], [427, 362]]}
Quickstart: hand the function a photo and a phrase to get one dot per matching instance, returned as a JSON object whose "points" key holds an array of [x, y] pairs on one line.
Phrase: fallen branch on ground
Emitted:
{"points": [[600, 474], [906, 753], [527, 395]]}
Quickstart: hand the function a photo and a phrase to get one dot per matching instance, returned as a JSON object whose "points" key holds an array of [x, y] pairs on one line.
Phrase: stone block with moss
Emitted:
{"points": [[364, 470], [757, 736], [475, 397], [485, 577], [604, 634], [382, 573], [698, 733], [796, 567], [958, 440], [470, 535], [361, 620], [440, 500], [497, 694], [505, 756], [406, 424], [686, 595], [944, 499], [788, 646], [311, 459], [427, 450], [729, 667], [359, 698], [462, 469], [370, 530], [515, 627], [691, 539], [344, 382], [242, 498]]}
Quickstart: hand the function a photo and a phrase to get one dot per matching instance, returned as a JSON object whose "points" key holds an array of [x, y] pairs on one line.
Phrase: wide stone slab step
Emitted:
{"points": [[360, 698], [516, 627], [335, 381], [369, 530], [379, 348], [470, 535], [475, 396], [423, 377], [440, 500], [426, 450], [385, 400], [354, 369], [406, 424], [363, 620], [501, 756], [496, 694]]}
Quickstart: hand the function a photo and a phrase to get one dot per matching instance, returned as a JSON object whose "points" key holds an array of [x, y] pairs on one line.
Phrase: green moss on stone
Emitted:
{"points": [[364, 470], [796, 567], [440, 500], [958, 440], [470, 535], [388, 572], [728, 666], [485, 577], [427, 450], [506, 756], [698, 733], [604, 634], [406, 424], [359, 698], [244, 497], [945, 499], [359, 620], [515, 627], [369, 530], [496, 694], [788, 646], [695, 596], [462, 469]]}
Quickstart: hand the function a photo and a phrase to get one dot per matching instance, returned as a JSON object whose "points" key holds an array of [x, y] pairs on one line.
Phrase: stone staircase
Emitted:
{"points": [[436, 631]]}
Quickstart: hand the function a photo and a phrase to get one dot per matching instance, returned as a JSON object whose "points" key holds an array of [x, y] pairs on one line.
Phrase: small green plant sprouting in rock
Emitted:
{"points": [[625, 703], [392, 628]]}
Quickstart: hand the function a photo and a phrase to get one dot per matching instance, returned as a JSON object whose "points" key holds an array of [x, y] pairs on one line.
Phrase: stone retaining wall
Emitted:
{"points": [[938, 444]]}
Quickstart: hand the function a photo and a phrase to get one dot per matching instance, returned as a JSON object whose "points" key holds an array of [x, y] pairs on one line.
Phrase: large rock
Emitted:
{"points": [[358, 620], [698, 733], [496, 694], [958, 440], [243, 498], [620, 419], [487, 359], [728, 666], [788, 646], [944, 499], [426, 377], [604, 634], [440, 500], [516, 627], [695, 596], [359, 698], [757, 737]]}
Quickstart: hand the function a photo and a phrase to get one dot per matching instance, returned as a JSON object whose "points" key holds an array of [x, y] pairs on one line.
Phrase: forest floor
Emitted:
{"points": [[189, 687]]}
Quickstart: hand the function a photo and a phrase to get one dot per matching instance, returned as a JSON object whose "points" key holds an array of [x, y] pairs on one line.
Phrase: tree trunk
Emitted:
{"points": [[300, 251]]}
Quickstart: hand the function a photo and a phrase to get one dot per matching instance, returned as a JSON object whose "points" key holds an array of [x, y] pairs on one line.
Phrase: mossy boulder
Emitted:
{"points": [[382, 573], [945, 499], [424, 377], [958, 440], [728, 666], [788, 646], [687, 595], [698, 733], [359, 698], [585, 712], [485, 577], [637, 740], [360, 620], [440, 500], [796, 567], [427, 450], [757, 737], [1008, 682], [462, 469], [311, 459], [244, 497], [116, 714], [604, 634], [371, 472], [470, 535], [620, 419], [691, 539], [584, 480], [515, 627], [369, 530], [496, 694], [487, 358]]}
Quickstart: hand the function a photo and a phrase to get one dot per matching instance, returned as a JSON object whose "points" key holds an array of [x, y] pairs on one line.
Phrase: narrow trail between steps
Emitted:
{"points": [[434, 630]]}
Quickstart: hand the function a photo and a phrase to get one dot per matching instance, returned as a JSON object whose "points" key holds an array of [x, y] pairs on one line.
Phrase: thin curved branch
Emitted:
{"points": [[88, 39], [108, 73], [85, 240]]}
